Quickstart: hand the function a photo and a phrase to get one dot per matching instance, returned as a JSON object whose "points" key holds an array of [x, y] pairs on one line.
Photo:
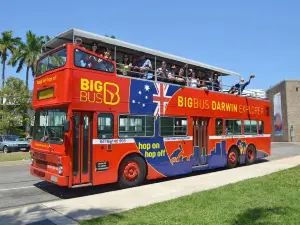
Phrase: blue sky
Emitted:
{"points": [[260, 37]]}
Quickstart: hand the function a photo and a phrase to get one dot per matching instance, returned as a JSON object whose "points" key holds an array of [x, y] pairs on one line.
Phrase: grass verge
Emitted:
{"points": [[14, 156], [272, 199]]}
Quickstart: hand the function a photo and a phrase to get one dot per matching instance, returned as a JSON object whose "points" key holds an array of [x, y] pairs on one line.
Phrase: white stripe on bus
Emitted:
{"points": [[168, 139], [188, 138], [113, 141], [239, 136]]}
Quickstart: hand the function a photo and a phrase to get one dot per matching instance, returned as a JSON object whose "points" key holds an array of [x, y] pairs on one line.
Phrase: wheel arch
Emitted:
{"points": [[236, 148], [252, 144]]}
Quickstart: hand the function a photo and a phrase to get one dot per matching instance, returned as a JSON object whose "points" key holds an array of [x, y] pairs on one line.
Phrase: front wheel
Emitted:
{"points": [[132, 172], [6, 150]]}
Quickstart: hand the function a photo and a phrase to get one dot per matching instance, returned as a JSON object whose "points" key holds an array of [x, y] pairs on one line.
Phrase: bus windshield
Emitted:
{"points": [[52, 61], [48, 126]]}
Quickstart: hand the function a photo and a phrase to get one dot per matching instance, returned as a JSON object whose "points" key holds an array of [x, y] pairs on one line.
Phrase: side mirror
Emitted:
{"points": [[67, 126]]}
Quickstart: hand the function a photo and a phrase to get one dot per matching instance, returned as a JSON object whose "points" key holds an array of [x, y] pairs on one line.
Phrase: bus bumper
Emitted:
{"points": [[50, 177]]}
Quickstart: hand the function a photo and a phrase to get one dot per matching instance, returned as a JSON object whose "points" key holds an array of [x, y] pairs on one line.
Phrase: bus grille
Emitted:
{"points": [[41, 165], [39, 173], [39, 155]]}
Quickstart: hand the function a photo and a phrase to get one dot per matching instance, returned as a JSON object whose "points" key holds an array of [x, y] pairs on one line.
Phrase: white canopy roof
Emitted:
{"points": [[88, 38]]}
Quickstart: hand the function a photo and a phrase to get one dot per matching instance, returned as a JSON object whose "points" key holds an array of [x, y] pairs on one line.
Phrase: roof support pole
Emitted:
{"points": [[155, 68], [221, 83]]}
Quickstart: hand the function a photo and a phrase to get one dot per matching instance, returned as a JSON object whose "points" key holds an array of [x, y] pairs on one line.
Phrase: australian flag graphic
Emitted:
{"points": [[149, 97]]}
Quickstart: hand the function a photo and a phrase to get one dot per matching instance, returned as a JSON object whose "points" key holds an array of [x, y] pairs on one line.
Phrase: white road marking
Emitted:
{"points": [[9, 189]]}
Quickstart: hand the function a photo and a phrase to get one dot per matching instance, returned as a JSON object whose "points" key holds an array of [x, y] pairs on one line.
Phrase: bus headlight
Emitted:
{"points": [[60, 170]]}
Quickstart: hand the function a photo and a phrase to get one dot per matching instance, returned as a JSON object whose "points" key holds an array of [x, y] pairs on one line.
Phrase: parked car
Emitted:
{"points": [[12, 143]]}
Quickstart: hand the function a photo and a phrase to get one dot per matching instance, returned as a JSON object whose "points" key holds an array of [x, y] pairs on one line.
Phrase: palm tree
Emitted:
{"points": [[28, 53], [8, 43]]}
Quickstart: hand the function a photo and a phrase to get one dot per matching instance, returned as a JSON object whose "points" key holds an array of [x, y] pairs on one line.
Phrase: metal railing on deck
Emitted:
{"points": [[206, 84]]}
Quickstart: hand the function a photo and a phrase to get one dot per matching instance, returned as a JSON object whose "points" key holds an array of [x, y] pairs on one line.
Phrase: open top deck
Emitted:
{"points": [[121, 47]]}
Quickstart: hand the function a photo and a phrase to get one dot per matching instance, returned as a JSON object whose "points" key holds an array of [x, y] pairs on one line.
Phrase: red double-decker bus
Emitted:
{"points": [[96, 124]]}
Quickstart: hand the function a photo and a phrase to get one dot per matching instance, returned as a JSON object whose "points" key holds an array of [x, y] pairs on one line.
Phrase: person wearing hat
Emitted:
{"points": [[92, 60], [79, 55], [78, 41], [94, 47], [239, 87]]}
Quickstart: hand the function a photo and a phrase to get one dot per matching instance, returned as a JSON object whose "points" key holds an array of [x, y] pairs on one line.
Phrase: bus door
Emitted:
{"points": [[82, 147], [200, 140]]}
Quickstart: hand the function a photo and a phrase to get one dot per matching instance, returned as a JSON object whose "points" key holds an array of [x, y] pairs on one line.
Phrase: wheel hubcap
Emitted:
{"points": [[250, 154], [232, 157], [131, 171]]}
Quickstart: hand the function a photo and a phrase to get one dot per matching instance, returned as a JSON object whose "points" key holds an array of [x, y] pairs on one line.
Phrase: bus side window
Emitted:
{"points": [[233, 127], [250, 127], [105, 125], [260, 127], [219, 126]]}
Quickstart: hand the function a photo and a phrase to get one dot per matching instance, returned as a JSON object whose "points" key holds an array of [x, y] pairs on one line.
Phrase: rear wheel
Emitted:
{"points": [[250, 154], [6, 150], [132, 172], [232, 158]]}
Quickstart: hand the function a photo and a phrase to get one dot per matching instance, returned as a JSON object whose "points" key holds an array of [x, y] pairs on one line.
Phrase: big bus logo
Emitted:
{"points": [[98, 92]]}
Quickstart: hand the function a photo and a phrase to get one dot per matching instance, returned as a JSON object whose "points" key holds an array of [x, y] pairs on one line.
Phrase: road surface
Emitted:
{"points": [[19, 188]]}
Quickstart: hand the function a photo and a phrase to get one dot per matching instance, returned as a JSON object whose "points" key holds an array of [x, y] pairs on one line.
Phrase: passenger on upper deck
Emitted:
{"points": [[78, 41], [214, 84], [181, 79], [239, 87], [172, 75], [80, 57], [143, 65], [92, 60], [107, 54], [163, 73], [125, 65], [192, 80], [202, 81], [94, 47]]}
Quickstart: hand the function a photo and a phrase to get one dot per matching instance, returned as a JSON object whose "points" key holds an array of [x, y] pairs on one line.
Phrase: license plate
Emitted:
{"points": [[23, 149]]}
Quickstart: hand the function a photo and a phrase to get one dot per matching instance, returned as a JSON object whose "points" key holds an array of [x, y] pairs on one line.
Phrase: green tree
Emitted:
{"points": [[28, 53], [8, 43], [14, 117]]}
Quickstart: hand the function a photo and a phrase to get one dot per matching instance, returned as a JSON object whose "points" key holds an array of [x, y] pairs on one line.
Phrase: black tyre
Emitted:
{"points": [[232, 158], [250, 154], [132, 172], [6, 149]]}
